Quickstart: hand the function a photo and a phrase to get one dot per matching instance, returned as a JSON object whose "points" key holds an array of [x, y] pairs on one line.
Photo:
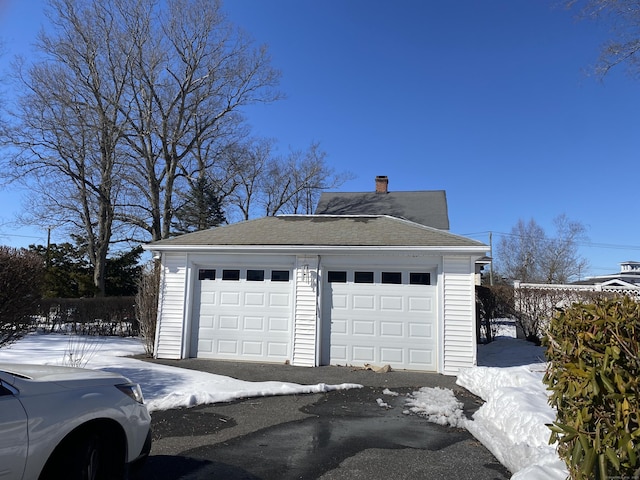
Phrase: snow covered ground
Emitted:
{"points": [[511, 423]]}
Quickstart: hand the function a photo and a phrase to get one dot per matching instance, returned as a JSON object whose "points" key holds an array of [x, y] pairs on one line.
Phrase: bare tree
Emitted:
{"points": [[249, 163], [134, 109], [311, 176], [126, 101], [527, 254], [192, 72], [68, 126], [252, 179], [560, 260], [518, 253], [2, 79], [294, 184], [146, 306], [623, 17]]}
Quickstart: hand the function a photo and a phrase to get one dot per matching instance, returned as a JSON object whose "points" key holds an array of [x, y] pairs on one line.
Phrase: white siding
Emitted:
{"points": [[306, 308], [171, 305], [459, 345]]}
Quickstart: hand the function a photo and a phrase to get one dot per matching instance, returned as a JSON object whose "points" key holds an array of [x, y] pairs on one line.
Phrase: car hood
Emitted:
{"points": [[39, 378]]}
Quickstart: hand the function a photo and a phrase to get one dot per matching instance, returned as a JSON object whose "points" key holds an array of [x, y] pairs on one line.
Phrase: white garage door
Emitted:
{"points": [[243, 314], [380, 318]]}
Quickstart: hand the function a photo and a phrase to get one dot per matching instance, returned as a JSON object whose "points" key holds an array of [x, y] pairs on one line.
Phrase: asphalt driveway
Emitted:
{"points": [[336, 435]]}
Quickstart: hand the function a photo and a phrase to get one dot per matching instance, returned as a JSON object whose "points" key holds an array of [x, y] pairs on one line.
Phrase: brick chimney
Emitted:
{"points": [[382, 184]]}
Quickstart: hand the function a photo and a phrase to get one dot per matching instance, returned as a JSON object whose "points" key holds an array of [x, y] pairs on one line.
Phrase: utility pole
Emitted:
{"points": [[48, 259], [491, 257]]}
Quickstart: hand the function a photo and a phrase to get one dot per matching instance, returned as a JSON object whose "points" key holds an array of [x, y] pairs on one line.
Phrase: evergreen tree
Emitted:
{"points": [[201, 208], [68, 272]]}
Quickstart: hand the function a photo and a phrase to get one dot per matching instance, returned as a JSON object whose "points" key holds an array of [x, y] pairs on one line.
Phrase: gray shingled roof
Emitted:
{"points": [[427, 207], [322, 230]]}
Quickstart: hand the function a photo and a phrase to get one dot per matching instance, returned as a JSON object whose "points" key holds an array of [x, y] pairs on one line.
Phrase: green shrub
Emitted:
{"points": [[593, 375], [21, 274]]}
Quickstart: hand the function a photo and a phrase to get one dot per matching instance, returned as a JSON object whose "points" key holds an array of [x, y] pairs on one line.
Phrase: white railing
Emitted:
{"points": [[537, 303], [621, 290]]}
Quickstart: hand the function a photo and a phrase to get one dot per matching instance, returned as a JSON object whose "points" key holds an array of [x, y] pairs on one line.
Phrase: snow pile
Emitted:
{"points": [[164, 387], [193, 388], [438, 405], [512, 421]]}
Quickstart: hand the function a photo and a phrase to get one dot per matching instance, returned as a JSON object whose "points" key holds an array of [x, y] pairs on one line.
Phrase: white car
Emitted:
{"points": [[71, 423]]}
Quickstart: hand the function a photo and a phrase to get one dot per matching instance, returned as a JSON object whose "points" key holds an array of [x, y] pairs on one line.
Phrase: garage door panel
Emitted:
{"points": [[208, 309], [392, 355], [388, 303], [339, 301], [364, 354], [230, 299], [338, 353], [338, 327], [206, 321], [420, 304], [392, 329], [228, 347], [421, 357], [279, 324], [275, 349], [364, 302], [254, 299], [243, 320], [228, 322], [252, 348], [364, 328], [254, 323], [206, 345], [279, 300], [381, 324], [420, 330]]}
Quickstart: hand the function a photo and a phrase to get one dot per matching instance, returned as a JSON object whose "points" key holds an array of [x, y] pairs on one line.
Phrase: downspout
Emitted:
{"points": [[187, 312], [441, 316], [319, 281], [158, 263]]}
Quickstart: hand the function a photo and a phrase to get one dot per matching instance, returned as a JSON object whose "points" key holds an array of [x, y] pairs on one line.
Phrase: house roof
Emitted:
{"points": [[321, 230], [626, 278], [629, 275], [427, 207]]}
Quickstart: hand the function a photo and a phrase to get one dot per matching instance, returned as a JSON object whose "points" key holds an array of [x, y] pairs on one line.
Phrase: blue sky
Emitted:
{"points": [[491, 101]]}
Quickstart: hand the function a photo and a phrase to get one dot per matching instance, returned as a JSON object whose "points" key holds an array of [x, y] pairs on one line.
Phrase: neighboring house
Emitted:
{"points": [[628, 277], [314, 290], [427, 207]]}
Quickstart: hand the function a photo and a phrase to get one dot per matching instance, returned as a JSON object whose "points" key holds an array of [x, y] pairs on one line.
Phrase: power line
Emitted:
{"points": [[613, 246], [19, 236]]}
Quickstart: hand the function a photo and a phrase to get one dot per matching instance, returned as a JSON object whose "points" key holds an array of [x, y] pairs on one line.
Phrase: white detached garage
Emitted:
{"points": [[320, 290]]}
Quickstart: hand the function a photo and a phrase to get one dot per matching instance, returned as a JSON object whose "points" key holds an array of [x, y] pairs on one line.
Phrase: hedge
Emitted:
{"points": [[594, 377]]}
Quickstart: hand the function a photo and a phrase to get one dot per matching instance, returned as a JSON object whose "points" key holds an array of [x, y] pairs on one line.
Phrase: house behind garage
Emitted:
{"points": [[426, 207], [325, 289]]}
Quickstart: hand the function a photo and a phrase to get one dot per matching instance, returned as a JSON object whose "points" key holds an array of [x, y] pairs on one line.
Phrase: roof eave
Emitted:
{"points": [[320, 249]]}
